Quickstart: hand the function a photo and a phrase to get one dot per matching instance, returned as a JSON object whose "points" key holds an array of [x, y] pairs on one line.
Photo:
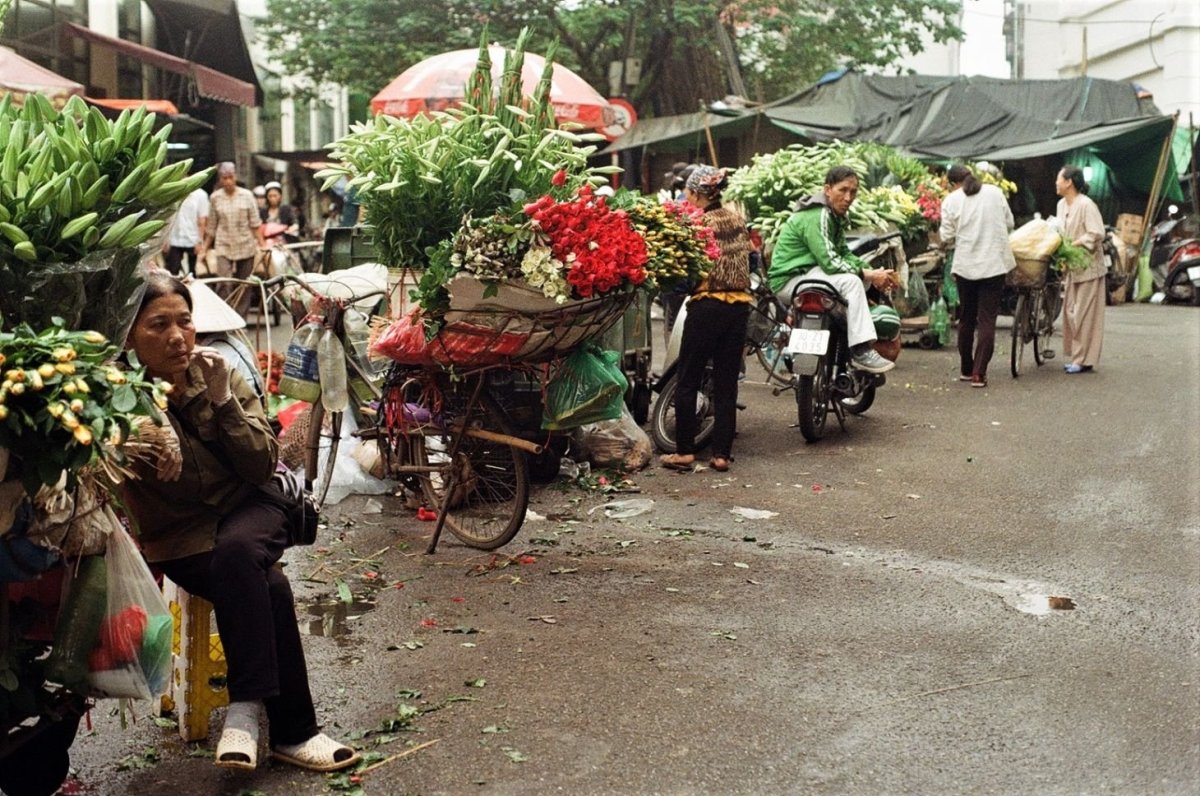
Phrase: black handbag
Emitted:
{"points": [[285, 491]]}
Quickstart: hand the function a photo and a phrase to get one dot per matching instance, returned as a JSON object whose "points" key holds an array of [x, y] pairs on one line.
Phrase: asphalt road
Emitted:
{"points": [[887, 630]]}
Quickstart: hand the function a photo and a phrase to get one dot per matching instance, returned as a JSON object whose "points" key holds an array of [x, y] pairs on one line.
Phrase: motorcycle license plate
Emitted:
{"points": [[1193, 273], [808, 341]]}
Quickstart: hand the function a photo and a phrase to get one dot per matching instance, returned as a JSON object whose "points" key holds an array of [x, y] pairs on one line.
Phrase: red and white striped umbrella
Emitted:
{"points": [[437, 83]]}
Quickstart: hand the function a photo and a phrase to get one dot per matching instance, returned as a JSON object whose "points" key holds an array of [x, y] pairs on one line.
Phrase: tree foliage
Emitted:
{"points": [[781, 45]]}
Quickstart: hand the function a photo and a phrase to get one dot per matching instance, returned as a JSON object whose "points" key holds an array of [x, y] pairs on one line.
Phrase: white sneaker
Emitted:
{"points": [[871, 362]]}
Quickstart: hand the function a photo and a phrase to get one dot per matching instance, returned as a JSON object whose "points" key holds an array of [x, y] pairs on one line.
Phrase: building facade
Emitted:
{"points": [[1153, 43]]}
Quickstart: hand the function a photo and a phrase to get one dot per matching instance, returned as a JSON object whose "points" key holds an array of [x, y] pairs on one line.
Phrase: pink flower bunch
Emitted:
{"points": [[692, 216], [929, 199], [600, 248]]}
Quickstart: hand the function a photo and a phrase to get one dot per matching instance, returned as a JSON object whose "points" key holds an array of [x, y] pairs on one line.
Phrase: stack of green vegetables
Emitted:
{"points": [[80, 196], [415, 178], [1069, 257], [770, 186]]}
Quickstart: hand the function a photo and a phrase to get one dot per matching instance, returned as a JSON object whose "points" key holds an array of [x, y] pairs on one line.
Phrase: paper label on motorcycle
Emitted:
{"points": [[808, 341], [1193, 273]]}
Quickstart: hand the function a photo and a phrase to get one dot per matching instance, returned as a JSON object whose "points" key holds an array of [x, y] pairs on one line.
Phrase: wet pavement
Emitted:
{"points": [[969, 591]]}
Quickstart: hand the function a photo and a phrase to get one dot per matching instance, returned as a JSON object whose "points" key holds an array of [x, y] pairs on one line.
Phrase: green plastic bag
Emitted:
{"points": [[949, 284], [586, 388], [1145, 280]]}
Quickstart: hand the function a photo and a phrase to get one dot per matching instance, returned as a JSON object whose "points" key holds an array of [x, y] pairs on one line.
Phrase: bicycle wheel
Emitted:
{"points": [[771, 356], [1022, 331], [488, 481], [320, 449], [1049, 305]]}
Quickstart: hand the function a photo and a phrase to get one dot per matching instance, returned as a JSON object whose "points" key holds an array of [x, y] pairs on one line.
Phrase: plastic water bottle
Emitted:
{"points": [[939, 321], [331, 359], [301, 376]]}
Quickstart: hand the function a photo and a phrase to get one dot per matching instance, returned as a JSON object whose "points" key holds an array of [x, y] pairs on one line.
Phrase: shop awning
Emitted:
{"points": [[209, 82], [20, 76], [165, 107], [207, 32]]}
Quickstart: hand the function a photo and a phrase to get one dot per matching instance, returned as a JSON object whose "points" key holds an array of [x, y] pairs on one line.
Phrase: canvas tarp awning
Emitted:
{"points": [[674, 133], [978, 118]]}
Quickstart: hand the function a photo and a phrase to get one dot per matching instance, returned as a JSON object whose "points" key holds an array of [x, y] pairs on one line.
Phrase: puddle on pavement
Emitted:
{"points": [[1041, 604], [1027, 596], [330, 618]]}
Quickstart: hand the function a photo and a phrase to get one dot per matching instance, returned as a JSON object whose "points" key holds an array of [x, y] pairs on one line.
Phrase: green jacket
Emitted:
{"points": [[814, 236], [175, 519]]}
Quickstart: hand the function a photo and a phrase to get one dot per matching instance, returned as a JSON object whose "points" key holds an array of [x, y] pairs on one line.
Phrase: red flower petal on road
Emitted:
{"points": [[428, 623], [816, 488], [527, 560], [458, 599]]}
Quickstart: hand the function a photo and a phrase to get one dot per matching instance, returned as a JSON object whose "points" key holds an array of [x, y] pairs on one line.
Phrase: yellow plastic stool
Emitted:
{"points": [[197, 664]]}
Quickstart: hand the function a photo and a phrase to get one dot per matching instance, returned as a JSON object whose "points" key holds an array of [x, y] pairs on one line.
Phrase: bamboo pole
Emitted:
{"points": [[712, 147], [1155, 188], [1192, 157]]}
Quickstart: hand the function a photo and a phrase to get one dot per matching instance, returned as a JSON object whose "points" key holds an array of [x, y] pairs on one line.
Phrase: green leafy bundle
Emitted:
{"points": [[1069, 257], [771, 185], [64, 405], [79, 193], [416, 178]]}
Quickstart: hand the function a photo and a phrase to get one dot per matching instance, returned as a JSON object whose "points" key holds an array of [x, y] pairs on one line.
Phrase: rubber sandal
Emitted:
{"points": [[672, 462], [318, 753], [719, 463], [237, 749]]}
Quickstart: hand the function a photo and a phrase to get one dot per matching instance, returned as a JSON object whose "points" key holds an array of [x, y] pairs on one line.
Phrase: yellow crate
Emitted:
{"points": [[198, 664]]}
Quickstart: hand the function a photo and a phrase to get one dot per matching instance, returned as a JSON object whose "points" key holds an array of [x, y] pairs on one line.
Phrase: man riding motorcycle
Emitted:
{"points": [[812, 245]]}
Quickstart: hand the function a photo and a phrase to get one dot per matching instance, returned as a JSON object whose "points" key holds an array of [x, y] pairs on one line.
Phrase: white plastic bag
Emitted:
{"points": [[1034, 240], [348, 283], [132, 655], [616, 443]]}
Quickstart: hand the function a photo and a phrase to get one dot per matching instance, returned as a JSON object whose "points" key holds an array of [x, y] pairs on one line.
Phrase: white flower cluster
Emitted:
{"points": [[543, 271]]}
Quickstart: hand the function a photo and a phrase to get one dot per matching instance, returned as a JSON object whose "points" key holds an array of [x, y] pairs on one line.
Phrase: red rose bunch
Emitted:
{"points": [[598, 245]]}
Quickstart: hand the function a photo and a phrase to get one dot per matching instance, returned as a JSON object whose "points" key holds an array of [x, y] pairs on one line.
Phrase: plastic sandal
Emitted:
{"points": [[674, 461], [318, 753], [237, 749]]}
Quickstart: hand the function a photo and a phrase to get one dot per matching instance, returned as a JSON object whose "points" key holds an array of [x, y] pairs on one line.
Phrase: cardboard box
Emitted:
{"points": [[1129, 228]]}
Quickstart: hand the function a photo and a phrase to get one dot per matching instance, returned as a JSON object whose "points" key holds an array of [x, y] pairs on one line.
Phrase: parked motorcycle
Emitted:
{"points": [[763, 318], [823, 380], [1175, 260]]}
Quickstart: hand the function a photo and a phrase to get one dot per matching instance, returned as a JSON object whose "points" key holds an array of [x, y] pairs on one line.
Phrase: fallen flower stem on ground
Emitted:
{"points": [[395, 757], [948, 689]]}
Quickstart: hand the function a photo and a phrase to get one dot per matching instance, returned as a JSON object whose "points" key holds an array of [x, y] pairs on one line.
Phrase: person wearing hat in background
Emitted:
{"points": [[235, 232], [189, 228], [219, 327], [260, 197], [715, 327]]}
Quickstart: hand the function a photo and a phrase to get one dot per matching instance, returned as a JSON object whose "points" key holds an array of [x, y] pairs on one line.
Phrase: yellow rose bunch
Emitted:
{"points": [[64, 404]]}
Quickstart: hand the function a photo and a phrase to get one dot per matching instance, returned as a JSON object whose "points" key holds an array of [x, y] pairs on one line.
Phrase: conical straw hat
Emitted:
{"points": [[210, 313]]}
